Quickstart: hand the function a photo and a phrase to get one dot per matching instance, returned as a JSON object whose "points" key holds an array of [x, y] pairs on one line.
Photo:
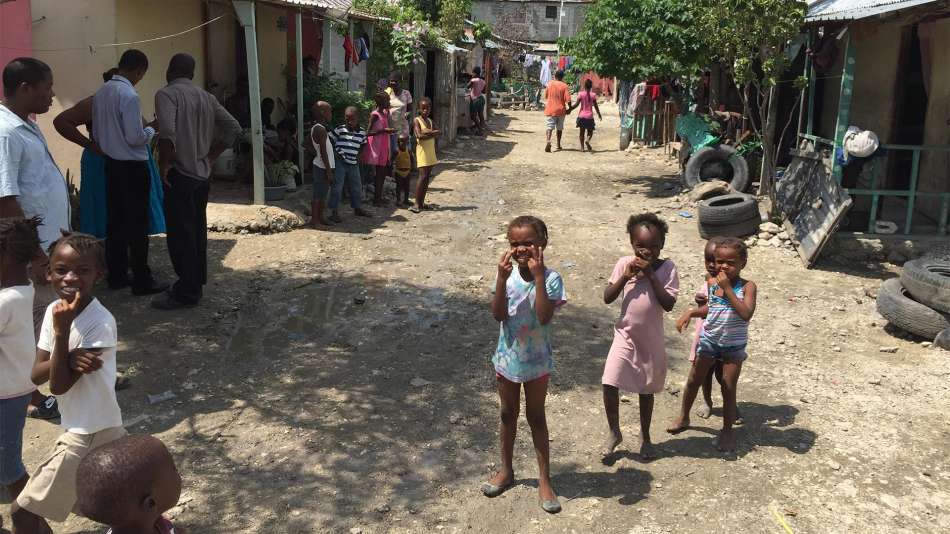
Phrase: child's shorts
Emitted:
{"points": [[12, 420], [51, 491], [709, 349]]}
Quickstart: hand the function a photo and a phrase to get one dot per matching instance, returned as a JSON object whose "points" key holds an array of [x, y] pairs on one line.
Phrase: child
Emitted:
{"points": [[76, 354], [377, 151], [587, 101], [476, 96], [524, 304], [425, 152], [348, 140], [128, 484], [637, 358], [18, 243], [402, 166], [731, 304], [324, 163]]}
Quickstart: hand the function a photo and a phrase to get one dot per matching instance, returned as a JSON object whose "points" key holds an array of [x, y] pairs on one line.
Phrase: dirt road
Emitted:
{"points": [[339, 381]]}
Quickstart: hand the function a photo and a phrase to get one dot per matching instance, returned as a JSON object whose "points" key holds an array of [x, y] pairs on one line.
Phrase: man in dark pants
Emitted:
{"points": [[117, 115], [189, 119]]}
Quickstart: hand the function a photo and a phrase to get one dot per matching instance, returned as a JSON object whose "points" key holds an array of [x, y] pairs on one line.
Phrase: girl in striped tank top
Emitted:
{"points": [[725, 334]]}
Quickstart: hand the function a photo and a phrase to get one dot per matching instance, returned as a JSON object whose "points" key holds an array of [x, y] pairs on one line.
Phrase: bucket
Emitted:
{"points": [[225, 165]]}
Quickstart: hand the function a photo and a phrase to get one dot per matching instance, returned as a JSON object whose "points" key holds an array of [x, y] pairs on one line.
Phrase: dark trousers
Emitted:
{"points": [[127, 190], [186, 223]]}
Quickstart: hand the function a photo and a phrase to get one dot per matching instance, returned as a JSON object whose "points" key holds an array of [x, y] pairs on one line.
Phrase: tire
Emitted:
{"points": [[625, 135], [739, 229], [727, 209], [718, 162], [928, 280], [896, 305]]}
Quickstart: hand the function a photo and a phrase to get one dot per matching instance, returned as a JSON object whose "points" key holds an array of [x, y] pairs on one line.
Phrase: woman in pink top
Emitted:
{"points": [[647, 286], [476, 95], [377, 149], [587, 101]]}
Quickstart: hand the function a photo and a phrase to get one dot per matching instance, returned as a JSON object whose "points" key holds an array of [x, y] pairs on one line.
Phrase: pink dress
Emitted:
{"points": [[377, 148], [636, 362], [702, 292]]}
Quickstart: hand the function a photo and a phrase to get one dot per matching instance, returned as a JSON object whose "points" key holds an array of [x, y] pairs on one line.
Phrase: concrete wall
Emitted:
{"points": [[935, 166], [16, 38], [272, 47], [528, 20], [332, 60], [222, 41], [877, 52]]}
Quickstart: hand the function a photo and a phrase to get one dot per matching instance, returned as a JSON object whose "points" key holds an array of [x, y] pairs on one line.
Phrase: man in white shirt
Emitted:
{"points": [[117, 116], [31, 185]]}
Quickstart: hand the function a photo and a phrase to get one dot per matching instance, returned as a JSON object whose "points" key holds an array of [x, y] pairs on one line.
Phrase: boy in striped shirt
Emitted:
{"points": [[348, 140]]}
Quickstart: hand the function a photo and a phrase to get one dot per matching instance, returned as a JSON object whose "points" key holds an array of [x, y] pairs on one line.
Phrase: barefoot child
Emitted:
{"points": [[524, 303], [731, 304], [377, 150], [19, 242], [76, 354], [128, 484], [425, 152], [402, 166], [637, 358], [587, 101]]}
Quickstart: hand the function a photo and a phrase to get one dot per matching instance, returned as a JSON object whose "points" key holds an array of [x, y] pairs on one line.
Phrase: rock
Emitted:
{"points": [[356, 530], [889, 350], [709, 189], [896, 257], [834, 465], [770, 227], [776, 242], [926, 344], [383, 508], [875, 382], [783, 235], [765, 236], [419, 382], [752, 241]]}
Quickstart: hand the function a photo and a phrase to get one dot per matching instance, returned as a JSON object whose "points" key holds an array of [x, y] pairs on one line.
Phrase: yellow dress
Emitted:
{"points": [[403, 163], [425, 148]]}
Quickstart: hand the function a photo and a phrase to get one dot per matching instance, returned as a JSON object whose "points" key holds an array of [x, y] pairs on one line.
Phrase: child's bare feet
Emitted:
{"points": [[613, 440], [647, 450], [704, 411], [727, 441], [679, 425]]}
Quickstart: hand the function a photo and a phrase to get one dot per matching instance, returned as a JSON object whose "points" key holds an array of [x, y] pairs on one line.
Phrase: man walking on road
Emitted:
{"points": [[117, 116], [188, 119], [31, 185], [558, 100]]}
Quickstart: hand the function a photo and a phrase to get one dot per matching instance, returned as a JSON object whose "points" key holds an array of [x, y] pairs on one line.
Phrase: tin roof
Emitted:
{"points": [[839, 10]]}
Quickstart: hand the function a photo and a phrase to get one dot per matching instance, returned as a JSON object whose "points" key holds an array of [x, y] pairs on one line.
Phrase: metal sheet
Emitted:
{"points": [[812, 203], [836, 10]]}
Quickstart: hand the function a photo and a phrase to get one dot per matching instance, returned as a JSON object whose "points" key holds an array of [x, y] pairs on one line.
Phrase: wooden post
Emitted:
{"points": [[300, 111]]}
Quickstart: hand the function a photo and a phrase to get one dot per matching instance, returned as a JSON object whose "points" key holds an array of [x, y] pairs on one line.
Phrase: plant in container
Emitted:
{"points": [[277, 177]]}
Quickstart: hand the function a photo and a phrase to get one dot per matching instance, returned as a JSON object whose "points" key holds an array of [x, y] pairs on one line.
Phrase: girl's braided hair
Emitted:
{"points": [[19, 238], [529, 220], [83, 244]]}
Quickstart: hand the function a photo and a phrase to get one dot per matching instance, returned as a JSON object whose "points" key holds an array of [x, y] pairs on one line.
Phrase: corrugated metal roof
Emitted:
{"points": [[340, 5], [837, 10]]}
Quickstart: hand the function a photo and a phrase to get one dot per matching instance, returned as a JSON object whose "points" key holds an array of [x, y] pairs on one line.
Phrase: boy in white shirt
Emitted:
{"points": [[76, 353], [18, 244]]}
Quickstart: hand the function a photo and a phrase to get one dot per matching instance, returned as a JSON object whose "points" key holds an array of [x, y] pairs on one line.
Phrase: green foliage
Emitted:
{"points": [[451, 15], [481, 32], [640, 39], [334, 92], [279, 172], [400, 39]]}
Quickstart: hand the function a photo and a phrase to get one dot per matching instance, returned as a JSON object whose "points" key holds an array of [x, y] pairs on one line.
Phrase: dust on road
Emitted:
{"points": [[339, 381]]}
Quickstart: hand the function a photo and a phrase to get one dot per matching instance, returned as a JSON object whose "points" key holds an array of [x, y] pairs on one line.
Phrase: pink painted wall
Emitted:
{"points": [[16, 30]]}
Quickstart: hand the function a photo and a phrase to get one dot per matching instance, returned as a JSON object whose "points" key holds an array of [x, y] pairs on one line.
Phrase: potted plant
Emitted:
{"points": [[276, 179]]}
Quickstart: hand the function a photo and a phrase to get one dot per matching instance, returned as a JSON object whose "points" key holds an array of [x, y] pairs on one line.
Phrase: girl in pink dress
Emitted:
{"points": [[636, 362], [377, 149], [587, 101]]}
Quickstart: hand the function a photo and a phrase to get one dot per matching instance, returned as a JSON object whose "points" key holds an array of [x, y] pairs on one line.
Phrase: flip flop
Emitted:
{"points": [[551, 507], [415, 209], [491, 491]]}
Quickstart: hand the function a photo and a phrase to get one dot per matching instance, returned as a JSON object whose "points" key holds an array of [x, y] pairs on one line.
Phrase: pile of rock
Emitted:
{"points": [[771, 234]]}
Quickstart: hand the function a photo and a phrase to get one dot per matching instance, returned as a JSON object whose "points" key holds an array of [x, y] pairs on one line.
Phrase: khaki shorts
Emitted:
{"points": [[555, 123], [51, 491]]}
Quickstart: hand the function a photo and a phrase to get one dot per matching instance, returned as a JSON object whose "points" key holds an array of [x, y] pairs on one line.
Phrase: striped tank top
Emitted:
{"points": [[723, 326]]}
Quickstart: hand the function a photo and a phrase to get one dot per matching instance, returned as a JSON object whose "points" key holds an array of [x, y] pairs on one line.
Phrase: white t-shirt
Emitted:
{"points": [[17, 350], [318, 161], [90, 405]]}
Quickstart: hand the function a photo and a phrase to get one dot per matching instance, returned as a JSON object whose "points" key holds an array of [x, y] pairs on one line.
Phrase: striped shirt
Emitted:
{"points": [[723, 326], [348, 142]]}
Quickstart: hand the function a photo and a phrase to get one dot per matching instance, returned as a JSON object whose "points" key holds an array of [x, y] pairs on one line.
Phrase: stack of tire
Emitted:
{"points": [[731, 215], [919, 301]]}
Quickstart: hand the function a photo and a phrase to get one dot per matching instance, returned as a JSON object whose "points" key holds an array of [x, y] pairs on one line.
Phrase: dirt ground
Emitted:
{"points": [[339, 381]]}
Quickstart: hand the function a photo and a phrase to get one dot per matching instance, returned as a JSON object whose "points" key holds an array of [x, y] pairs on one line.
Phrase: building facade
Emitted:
{"points": [[532, 20]]}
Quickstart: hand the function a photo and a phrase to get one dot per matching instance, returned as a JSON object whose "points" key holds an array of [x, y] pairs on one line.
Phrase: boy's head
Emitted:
{"points": [[647, 235], [18, 239], [76, 262], [133, 65], [322, 111], [477, 71], [403, 142], [524, 233], [128, 482], [709, 255], [559, 75], [351, 116], [731, 257], [28, 84]]}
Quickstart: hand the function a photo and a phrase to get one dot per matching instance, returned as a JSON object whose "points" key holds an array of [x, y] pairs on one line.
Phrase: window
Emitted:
{"points": [[550, 12]]}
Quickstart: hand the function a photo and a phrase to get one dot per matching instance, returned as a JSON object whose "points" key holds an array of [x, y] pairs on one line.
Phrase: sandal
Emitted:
{"points": [[491, 491], [47, 411], [415, 209], [122, 382]]}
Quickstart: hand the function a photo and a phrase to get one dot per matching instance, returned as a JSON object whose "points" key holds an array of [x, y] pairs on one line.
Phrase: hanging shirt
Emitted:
{"points": [[545, 72]]}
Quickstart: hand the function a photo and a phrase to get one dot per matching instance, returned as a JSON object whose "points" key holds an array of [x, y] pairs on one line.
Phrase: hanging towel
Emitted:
{"points": [[349, 54], [362, 48], [545, 72]]}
